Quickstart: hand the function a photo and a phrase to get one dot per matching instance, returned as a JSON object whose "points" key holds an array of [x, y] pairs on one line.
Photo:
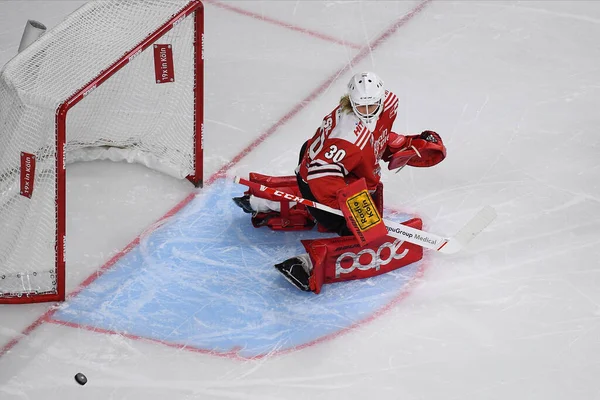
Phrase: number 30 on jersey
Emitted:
{"points": [[334, 154]]}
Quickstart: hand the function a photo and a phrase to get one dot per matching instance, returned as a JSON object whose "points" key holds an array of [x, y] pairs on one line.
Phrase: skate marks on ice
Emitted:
{"points": [[204, 280]]}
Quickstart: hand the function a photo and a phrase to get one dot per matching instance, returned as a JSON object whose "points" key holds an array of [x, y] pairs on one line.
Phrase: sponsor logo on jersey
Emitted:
{"points": [[380, 144]]}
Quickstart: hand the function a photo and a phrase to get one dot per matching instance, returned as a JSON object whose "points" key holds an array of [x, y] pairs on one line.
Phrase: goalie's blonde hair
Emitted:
{"points": [[345, 104]]}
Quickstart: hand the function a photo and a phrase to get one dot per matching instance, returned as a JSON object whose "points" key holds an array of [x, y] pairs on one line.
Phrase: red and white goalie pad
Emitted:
{"points": [[343, 258], [292, 216], [286, 184]]}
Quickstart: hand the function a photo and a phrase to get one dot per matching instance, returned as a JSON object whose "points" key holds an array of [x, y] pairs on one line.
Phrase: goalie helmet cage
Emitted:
{"points": [[119, 80]]}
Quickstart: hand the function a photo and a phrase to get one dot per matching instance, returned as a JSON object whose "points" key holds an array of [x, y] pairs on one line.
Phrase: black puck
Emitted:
{"points": [[80, 378]]}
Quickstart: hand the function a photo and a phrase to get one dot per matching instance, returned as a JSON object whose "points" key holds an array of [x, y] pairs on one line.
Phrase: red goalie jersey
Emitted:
{"points": [[344, 149]]}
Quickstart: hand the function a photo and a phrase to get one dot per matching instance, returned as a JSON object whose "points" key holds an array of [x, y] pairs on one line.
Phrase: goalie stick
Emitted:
{"points": [[412, 235]]}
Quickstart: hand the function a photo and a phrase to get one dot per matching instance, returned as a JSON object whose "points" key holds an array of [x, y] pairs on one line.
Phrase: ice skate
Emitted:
{"points": [[297, 271], [244, 203]]}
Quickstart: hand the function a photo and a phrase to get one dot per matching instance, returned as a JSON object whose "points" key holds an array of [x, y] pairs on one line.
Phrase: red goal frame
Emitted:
{"points": [[195, 7]]}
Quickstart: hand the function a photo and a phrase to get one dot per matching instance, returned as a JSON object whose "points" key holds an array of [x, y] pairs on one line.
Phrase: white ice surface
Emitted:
{"points": [[514, 89]]}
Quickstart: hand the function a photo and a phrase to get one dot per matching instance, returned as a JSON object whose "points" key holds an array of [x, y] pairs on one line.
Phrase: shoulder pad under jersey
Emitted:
{"points": [[390, 104], [350, 128]]}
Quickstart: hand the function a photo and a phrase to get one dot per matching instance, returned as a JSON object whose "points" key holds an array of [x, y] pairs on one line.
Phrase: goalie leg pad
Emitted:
{"points": [[286, 184], [343, 258], [292, 216], [295, 219]]}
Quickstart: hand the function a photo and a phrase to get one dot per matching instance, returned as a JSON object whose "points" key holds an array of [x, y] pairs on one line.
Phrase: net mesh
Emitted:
{"points": [[128, 117]]}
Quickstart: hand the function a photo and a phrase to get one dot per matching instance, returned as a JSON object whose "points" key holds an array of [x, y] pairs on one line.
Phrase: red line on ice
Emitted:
{"points": [[283, 24], [234, 353]]}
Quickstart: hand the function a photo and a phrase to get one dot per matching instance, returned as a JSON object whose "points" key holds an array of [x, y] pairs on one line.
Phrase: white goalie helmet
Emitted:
{"points": [[366, 89]]}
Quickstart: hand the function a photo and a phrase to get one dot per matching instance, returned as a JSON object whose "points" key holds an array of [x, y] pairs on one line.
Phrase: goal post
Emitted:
{"points": [[115, 80]]}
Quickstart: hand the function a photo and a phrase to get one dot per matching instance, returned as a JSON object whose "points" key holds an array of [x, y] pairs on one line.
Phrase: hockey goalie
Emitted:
{"points": [[339, 167]]}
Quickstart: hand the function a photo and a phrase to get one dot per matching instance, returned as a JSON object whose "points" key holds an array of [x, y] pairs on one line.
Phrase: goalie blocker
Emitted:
{"points": [[362, 217]]}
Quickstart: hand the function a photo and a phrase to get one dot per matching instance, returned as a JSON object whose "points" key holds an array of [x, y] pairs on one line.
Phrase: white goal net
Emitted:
{"points": [[119, 80]]}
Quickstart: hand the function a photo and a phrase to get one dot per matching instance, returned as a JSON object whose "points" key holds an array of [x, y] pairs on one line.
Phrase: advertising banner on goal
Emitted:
{"points": [[163, 63], [27, 174]]}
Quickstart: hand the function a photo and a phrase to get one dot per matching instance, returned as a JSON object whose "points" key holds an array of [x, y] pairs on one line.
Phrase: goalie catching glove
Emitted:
{"points": [[424, 150]]}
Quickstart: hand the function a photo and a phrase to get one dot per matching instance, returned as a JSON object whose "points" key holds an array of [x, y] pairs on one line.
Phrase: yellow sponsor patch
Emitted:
{"points": [[363, 210]]}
